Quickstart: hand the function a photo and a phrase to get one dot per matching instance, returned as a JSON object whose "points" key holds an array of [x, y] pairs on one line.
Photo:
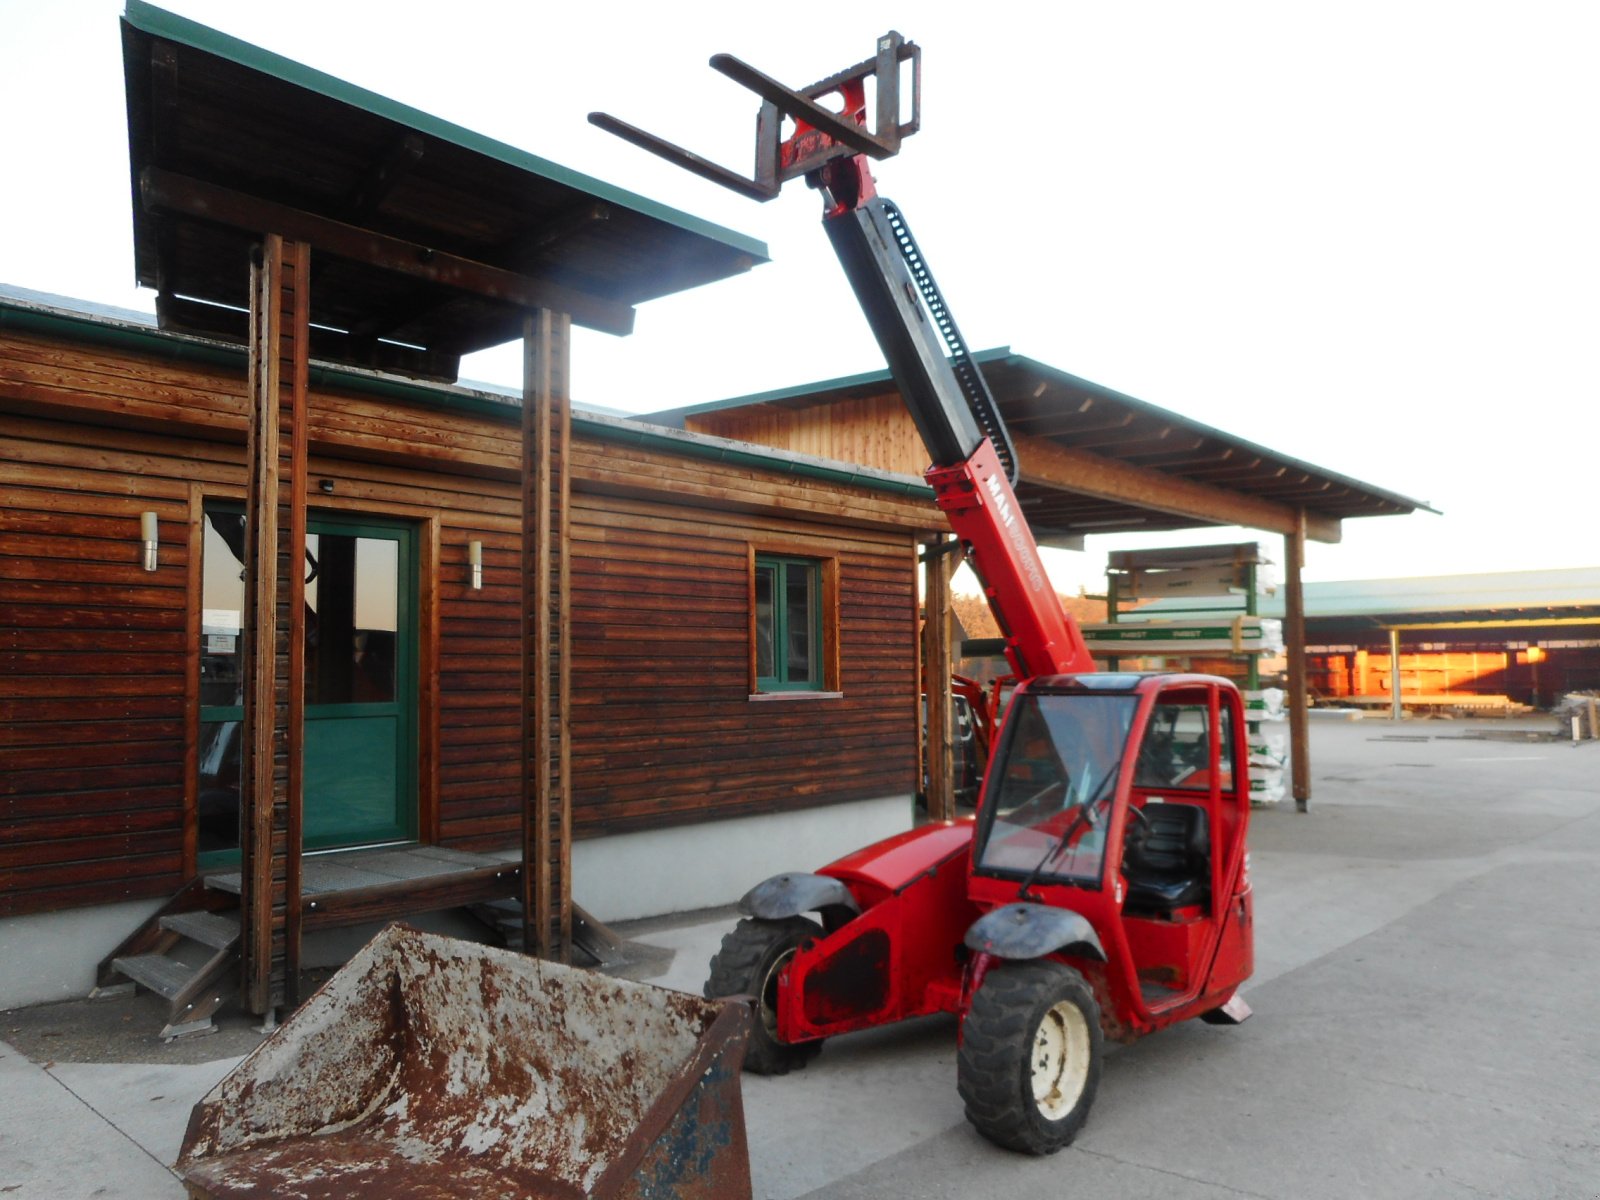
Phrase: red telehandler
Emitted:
{"points": [[1102, 889]]}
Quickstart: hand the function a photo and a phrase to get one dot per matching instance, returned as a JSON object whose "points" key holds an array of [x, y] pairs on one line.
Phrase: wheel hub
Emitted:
{"points": [[769, 992]]}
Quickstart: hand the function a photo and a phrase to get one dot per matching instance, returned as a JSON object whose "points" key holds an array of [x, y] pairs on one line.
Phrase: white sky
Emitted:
{"points": [[1364, 234]]}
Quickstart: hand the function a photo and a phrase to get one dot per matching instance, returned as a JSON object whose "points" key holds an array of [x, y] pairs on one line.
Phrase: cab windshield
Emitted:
{"points": [[1046, 809]]}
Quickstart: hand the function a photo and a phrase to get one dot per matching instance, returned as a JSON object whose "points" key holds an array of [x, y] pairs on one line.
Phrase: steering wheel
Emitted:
{"points": [[1144, 822]]}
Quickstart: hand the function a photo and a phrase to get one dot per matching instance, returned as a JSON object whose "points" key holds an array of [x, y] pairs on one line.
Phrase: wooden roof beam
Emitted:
{"points": [[534, 245], [231, 324], [165, 191], [1190, 461], [1065, 423], [383, 177], [1042, 462]]}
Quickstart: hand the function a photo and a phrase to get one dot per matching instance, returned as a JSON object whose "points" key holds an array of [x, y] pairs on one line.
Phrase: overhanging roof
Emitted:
{"points": [[1065, 425], [429, 240], [79, 321]]}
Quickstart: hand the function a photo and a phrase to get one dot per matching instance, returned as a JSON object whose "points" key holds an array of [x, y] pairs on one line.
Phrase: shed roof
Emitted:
{"points": [[1041, 402], [228, 141], [1507, 597]]}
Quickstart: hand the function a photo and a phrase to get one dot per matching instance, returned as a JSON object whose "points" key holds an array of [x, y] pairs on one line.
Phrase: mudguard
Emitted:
{"points": [[1031, 930], [792, 894]]}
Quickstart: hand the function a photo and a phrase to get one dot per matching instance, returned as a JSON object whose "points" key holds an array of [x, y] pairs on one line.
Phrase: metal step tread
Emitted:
{"points": [[162, 975], [217, 930], [504, 909]]}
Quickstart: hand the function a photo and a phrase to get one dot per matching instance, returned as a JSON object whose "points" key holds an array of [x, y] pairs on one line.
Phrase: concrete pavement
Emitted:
{"points": [[1426, 967]]}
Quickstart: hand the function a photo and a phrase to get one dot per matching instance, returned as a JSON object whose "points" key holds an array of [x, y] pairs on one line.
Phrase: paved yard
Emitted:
{"points": [[1427, 960]]}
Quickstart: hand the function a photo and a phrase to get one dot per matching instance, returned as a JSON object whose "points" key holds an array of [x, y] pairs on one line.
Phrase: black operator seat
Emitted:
{"points": [[1168, 859]]}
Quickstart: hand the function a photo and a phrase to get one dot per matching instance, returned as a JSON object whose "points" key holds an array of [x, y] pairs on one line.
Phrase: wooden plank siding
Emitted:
{"points": [[876, 431], [95, 696], [99, 659]]}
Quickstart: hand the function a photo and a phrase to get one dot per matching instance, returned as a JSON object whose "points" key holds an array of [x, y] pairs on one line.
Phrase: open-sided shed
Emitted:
{"points": [[1090, 460]]}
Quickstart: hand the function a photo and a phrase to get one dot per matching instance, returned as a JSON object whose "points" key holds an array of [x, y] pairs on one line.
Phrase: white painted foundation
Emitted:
{"points": [[48, 957], [665, 871]]}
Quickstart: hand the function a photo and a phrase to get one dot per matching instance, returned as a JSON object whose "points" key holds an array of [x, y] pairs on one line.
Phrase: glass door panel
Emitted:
{"points": [[360, 673], [358, 710]]}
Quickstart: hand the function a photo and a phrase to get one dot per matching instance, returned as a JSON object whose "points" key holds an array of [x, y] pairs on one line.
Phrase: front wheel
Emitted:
{"points": [[1030, 1056], [749, 963]]}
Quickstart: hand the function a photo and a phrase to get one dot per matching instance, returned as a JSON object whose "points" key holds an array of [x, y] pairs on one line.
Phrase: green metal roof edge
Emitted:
{"points": [[796, 391], [106, 331], [158, 22]]}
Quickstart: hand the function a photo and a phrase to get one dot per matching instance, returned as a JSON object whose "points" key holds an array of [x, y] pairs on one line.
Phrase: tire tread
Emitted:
{"points": [[737, 969], [997, 1037]]}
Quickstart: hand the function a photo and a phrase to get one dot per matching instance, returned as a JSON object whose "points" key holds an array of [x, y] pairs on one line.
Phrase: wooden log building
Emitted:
{"points": [[120, 705], [272, 589]]}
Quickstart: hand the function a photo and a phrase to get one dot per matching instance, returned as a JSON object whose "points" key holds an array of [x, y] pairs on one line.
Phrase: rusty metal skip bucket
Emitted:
{"points": [[430, 1067]]}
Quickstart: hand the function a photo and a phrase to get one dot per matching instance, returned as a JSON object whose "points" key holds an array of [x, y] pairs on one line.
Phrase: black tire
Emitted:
{"points": [[748, 965], [1030, 1056]]}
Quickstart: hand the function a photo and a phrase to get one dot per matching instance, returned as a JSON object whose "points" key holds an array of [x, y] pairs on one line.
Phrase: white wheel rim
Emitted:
{"points": [[769, 992], [1060, 1061]]}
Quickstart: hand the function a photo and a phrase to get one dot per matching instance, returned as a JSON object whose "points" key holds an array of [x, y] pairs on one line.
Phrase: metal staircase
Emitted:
{"points": [[187, 953]]}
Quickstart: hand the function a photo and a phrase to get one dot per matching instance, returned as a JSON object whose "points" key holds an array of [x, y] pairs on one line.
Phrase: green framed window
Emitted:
{"points": [[787, 616]]}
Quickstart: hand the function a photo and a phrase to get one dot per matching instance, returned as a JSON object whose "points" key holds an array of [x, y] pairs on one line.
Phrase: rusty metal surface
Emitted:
{"points": [[430, 1067]]}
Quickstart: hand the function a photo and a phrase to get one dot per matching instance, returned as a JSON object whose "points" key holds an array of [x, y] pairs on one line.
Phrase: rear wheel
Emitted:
{"points": [[749, 963], [1030, 1056]]}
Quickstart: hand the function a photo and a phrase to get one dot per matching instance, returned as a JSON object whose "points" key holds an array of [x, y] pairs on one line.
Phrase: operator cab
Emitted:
{"points": [[1054, 779], [1121, 796]]}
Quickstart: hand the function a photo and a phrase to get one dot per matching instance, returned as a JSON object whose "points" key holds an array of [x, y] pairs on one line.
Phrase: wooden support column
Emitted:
{"points": [[1397, 710], [1294, 636], [937, 665], [546, 637], [273, 661]]}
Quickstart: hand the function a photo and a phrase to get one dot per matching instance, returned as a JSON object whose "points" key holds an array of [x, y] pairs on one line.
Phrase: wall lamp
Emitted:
{"points": [[475, 561], [150, 535]]}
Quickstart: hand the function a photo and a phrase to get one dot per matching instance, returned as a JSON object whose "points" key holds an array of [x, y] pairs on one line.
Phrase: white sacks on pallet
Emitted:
{"points": [[1266, 784], [1269, 744], [1264, 705]]}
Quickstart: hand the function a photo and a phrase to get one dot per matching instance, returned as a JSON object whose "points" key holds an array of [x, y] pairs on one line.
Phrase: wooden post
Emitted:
{"points": [[1294, 629], [1396, 708], [936, 630], [546, 636], [273, 662], [917, 718]]}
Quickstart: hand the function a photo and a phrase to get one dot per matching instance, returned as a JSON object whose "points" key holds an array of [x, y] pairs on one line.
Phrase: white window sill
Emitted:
{"points": [[797, 695]]}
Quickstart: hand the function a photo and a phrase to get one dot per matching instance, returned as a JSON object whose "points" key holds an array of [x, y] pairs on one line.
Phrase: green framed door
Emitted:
{"points": [[361, 684]]}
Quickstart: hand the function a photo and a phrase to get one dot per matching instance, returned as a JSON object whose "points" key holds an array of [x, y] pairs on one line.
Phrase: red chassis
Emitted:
{"points": [[907, 953]]}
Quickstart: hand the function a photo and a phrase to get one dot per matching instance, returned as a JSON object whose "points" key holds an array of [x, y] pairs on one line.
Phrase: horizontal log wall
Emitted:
{"points": [[96, 696], [98, 680]]}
